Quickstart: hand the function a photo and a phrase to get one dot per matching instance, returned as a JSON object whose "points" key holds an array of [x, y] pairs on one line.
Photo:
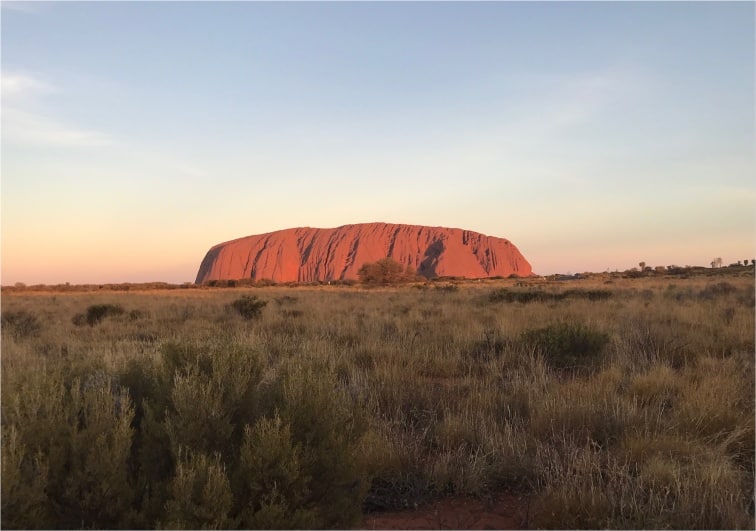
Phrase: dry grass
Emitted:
{"points": [[457, 396]]}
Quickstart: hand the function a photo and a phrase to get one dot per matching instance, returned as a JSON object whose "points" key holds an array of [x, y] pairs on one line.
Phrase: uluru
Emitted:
{"points": [[308, 254]]}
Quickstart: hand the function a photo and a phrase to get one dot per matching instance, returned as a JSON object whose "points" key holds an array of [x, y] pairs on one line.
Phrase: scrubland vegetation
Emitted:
{"points": [[618, 403]]}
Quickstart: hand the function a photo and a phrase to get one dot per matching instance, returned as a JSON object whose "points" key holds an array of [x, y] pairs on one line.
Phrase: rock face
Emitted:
{"points": [[307, 254]]}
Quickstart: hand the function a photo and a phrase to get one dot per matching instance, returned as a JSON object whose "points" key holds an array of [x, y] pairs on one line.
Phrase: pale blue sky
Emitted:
{"points": [[136, 135]]}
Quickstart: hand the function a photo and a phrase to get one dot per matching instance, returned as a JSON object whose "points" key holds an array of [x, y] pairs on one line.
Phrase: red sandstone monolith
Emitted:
{"points": [[308, 254]]}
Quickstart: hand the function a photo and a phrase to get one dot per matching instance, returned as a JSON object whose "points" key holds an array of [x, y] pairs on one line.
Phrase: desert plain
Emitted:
{"points": [[602, 401]]}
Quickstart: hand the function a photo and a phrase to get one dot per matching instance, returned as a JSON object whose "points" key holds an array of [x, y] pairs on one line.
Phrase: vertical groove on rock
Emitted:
{"points": [[351, 256]]}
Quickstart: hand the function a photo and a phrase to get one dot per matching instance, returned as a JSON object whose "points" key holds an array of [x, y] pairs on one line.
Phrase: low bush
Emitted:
{"points": [[568, 345], [21, 324], [200, 494], [507, 295], [328, 425], [271, 478], [192, 440], [96, 313], [719, 289], [590, 294], [385, 272], [447, 288], [747, 298], [25, 505], [492, 345], [249, 306], [73, 439]]}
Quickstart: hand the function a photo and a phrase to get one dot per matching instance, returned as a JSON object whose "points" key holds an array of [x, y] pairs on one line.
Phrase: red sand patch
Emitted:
{"points": [[506, 511]]}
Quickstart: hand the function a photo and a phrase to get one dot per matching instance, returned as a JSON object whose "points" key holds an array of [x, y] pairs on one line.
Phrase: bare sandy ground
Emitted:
{"points": [[506, 511]]}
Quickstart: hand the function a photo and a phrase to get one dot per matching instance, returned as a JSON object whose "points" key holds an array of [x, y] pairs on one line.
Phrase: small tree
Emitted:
{"points": [[384, 272]]}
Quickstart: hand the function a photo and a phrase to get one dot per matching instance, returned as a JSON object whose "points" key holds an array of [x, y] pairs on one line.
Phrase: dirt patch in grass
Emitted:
{"points": [[504, 511]]}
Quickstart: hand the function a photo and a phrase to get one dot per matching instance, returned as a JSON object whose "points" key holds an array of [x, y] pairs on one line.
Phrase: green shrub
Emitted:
{"points": [[177, 357], [210, 404], [273, 489], [74, 437], [25, 504], [152, 465], [21, 324], [199, 421], [200, 494], [196, 400], [96, 491], [249, 306], [568, 345], [328, 425]]}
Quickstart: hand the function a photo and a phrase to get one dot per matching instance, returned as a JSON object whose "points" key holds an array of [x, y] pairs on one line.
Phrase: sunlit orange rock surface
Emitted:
{"points": [[307, 254]]}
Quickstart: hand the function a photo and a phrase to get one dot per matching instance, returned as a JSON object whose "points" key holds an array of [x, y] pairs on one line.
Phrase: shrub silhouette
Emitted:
{"points": [[720, 289], [568, 345], [384, 272], [21, 324], [506, 295], [96, 313], [249, 306]]}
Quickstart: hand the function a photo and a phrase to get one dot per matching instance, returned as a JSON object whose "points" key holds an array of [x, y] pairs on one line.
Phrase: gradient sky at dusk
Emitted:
{"points": [[592, 135]]}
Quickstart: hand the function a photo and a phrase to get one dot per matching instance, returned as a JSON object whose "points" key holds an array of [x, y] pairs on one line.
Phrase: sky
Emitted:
{"points": [[593, 135]]}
